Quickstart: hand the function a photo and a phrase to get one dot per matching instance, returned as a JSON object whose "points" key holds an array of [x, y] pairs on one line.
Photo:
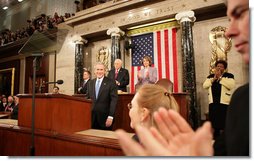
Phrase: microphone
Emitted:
{"points": [[57, 82]]}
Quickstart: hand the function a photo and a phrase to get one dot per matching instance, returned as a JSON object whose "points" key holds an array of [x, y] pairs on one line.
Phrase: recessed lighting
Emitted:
{"points": [[5, 8], [20, 0]]}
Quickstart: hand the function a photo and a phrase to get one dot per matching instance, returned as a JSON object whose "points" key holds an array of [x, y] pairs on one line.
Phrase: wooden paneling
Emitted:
{"points": [[12, 64], [42, 73], [58, 118], [183, 100], [122, 119], [55, 112], [14, 144], [16, 141]]}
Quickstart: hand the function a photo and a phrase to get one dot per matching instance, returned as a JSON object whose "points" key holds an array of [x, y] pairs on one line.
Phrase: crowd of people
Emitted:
{"points": [[40, 23], [10, 105]]}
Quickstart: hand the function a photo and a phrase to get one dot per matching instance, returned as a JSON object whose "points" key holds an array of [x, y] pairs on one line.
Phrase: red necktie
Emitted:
{"points": [[116, 74]]}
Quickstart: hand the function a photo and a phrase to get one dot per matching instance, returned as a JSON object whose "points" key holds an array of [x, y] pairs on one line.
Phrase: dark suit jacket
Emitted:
{"points": [[83, 89], [105, 104], [236, 139], [122, 77], [14, 114], [237, 123], [2, 107]]}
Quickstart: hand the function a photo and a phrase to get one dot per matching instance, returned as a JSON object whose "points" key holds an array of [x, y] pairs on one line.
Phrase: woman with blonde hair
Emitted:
{"points": [[147, 100]]}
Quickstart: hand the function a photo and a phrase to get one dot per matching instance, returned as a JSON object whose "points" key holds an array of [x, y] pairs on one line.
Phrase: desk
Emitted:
{"points": [[16, 141], [5, 115], [122, 119]]}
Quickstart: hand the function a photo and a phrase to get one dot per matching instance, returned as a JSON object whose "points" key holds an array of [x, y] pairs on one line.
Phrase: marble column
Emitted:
{"points": [[79, 64], [116, 34], [186, 20]]}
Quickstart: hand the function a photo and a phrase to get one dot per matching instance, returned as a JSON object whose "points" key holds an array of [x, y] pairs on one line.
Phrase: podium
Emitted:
{"points": [[122, 118], [57, 113], [39, 44]]}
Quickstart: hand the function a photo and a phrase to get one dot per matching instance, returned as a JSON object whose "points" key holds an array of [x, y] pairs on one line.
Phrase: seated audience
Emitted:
{"points": [[10, 104], [3, 103], [145, 102], [40, 23], [55, 90], [14, 114]]}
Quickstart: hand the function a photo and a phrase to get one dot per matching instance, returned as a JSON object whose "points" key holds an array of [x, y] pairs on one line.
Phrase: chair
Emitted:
{"points": [[166, 83]]}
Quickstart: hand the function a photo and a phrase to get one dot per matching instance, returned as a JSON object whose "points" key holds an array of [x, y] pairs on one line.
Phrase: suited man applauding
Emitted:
{"points": [[120, 75], [103, 93], [86, 77]]}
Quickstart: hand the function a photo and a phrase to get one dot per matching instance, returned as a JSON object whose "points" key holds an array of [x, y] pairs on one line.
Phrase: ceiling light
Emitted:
{"points": [[20, 0], [5, 8]]}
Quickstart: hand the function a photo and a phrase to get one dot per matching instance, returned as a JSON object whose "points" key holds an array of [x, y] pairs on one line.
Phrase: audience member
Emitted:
{"points": [[30, 27], [146, 101], [3, 103], [15, 110], [148, 74], [176, 136], [10, 104], [86, 78], [55, 90], [219, 86], [103, 92], [119, 75]]}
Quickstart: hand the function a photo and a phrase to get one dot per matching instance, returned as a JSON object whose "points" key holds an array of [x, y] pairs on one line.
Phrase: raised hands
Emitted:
{"points": [[174, 137]]}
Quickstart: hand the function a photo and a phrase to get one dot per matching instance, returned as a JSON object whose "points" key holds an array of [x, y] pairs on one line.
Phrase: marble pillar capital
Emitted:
{"points": [[115, 31], [81, 40], [185, 16]]}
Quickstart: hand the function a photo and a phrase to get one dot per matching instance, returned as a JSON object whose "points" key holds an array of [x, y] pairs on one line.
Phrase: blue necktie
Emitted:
{"points": [[97, 87]]}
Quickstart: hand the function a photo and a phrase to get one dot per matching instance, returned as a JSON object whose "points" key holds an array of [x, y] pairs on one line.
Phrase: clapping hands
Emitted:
{"points": [[174, 137]]}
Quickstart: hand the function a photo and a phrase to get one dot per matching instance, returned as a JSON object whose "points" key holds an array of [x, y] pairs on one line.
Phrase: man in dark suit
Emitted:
{"points": [[120, 75], [86, 77], [103, 93]]}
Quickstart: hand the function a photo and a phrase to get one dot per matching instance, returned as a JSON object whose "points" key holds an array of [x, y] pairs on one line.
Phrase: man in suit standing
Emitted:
{"points": [[120, 75], [86, 77], [103, 93]]}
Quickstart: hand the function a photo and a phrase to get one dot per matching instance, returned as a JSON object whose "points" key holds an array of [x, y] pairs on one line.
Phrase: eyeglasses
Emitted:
{"points": [[129, 106]]}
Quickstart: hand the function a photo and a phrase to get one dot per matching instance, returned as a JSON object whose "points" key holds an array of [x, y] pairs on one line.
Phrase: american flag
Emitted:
{"points": [[161, 47]]}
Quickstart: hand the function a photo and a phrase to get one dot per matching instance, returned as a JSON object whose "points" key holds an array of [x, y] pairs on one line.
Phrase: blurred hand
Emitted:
{"points": [[117, 83], [139, 75], [109, 122], [147, 74], [174, 138]]}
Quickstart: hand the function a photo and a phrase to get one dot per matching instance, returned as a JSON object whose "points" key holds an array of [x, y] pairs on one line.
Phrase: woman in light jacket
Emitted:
{"points": [[219, 86]]}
